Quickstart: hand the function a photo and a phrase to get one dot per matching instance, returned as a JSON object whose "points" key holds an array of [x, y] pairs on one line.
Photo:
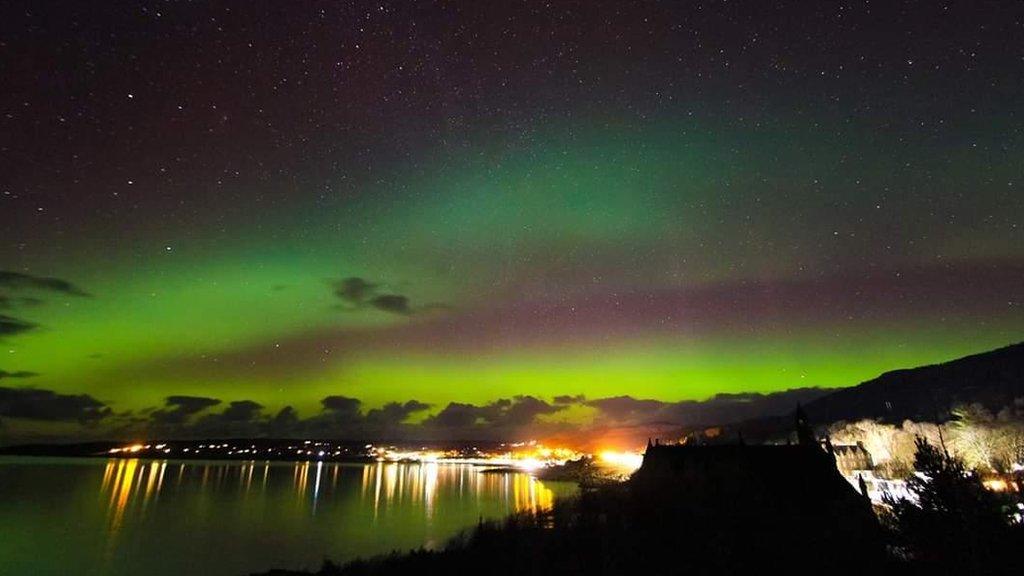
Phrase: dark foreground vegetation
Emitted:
{"points": [[956, 526], [668, 525]]}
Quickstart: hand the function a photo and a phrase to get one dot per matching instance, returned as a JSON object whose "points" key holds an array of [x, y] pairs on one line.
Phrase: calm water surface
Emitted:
{"points": [[117, 517]]}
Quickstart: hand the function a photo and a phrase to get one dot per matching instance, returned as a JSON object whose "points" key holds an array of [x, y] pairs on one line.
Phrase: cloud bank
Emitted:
{"points": [[18, 283], [346, 418], [17, 374], [50, 406]]}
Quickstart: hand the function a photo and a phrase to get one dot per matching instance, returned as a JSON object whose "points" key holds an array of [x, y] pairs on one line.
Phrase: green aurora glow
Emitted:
{"points": [[655, 218], [564, 218]]}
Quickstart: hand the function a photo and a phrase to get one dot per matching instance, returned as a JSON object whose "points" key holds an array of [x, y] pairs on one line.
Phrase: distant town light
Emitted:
{"points": [[625, 460], [996, 484]]}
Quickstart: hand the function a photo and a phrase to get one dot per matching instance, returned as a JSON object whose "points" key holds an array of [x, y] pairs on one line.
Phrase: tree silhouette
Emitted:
{"points": [[955, 525]]}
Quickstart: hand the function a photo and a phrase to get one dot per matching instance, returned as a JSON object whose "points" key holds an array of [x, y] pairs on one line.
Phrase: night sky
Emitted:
{"points": [[475, 218]]}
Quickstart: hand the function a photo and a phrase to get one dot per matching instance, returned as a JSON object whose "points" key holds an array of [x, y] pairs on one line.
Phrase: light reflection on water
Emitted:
{"points": [[131, 482], [122, 516]]}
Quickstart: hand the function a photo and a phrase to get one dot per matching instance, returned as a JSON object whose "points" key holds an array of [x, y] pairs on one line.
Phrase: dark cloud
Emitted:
{"points": [[47, 405], [16, 281], [242, 411], [342, 417], [392, 303], [241, 418], [189, 417], [284, 423], [358, 293], [719, 409], [17, 374], [19, 281], [519, 411], [190, 404], [341, 406], [455, 415], [623, 408], [354, 291], [178, 409], [10, 326], [561, 400], [501, 415], [394, 413]]}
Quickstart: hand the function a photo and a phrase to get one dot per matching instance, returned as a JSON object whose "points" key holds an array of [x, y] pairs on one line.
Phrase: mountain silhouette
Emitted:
{"points": [[994, 379]]}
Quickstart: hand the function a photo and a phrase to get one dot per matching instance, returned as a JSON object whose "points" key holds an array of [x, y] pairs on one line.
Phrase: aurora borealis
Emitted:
{"points": [[459, 204]]}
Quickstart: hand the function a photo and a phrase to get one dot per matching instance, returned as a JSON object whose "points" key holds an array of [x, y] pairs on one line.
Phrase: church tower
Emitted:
{"points": [[804, 431]]}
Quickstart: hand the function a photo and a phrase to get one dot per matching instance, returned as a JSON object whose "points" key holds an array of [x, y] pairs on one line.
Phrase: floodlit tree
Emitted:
{"points": [[986, 441], [891, 447]]}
